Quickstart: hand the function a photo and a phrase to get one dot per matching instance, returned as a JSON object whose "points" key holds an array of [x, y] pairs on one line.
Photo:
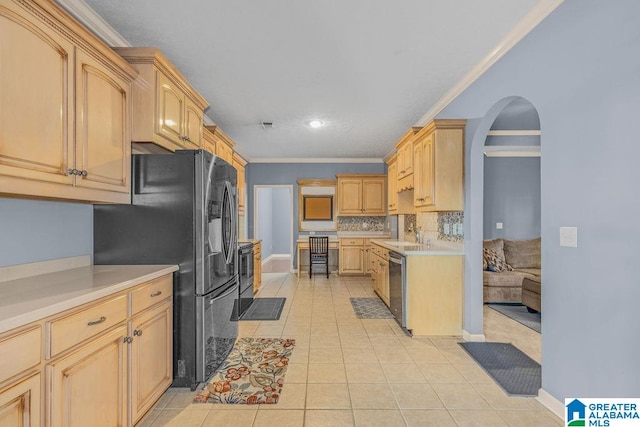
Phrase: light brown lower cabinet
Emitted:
{"points": [[104, 363], [88, 387], [20, 403], [257, 266], [151, 355]]}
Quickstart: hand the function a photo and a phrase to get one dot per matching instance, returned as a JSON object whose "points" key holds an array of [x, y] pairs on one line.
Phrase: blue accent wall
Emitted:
{"points": [[512, 197], [289, 174], [281, 220], [580, 68], [34, 230]]}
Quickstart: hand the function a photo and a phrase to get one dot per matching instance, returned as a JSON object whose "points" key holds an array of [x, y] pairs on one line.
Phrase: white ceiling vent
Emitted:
{"points": [[267, 125]]}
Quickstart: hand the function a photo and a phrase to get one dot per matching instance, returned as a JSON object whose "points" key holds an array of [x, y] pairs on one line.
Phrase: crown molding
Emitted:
{"points": [[536, 15], [94, 22], [315, 160]]}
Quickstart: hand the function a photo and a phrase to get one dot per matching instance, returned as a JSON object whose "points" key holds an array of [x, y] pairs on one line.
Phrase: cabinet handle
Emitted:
{"points": [[137, 333], [127, 340], [83, 173], [421, 199], [71, 171], [97, 322], [156, 294]]}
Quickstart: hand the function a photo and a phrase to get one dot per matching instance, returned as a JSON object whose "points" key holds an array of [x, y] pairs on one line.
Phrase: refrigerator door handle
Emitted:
{"points": [[233, 224]]}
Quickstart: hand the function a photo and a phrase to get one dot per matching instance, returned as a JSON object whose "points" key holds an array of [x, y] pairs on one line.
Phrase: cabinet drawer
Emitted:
{"points": [[352, 242], [77, 327], [20, 352], [153, 292]]}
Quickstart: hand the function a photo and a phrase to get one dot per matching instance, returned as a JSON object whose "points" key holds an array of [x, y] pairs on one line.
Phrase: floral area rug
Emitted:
{"points": [[253, 373]]}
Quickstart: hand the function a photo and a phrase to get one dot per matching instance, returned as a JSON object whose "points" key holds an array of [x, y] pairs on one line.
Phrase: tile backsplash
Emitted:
{"points": [[361, 223], [434, 226]]}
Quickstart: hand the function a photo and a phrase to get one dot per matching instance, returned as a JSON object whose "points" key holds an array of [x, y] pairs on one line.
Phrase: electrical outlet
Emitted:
{"points": [[312, 233], [498, 225], [569, 237], [446, 229]]}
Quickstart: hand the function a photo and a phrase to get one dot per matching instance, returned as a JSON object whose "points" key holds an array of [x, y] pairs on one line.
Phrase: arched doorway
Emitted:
{"points": [[507, 113]]}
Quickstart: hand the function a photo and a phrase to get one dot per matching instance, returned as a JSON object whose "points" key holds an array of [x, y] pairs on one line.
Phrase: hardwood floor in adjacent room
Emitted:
{"points": [[345, 371]]}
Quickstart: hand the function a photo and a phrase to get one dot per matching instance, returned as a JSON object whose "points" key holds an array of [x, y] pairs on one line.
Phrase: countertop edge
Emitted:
{"points": [[38, 314], [432, 250]]}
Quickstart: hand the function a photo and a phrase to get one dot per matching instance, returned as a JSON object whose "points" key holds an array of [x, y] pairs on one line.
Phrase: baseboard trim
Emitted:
{"points": [[473, 337], [551, 403], [275, 256]]}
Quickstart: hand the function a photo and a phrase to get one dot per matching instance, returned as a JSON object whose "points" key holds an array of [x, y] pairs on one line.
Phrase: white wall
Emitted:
{"points": [[580, 68]]}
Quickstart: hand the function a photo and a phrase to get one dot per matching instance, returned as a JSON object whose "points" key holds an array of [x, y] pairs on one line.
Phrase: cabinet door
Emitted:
{"points": [[103, 140], [350, 196], [373, 196], [351, 258], [151, 357], [392, 179], [384, 280], [170, 110], [423, 172], [407, 159], [88, 387], [193, 125], [36, 104], [20, 403], [241, 186]]}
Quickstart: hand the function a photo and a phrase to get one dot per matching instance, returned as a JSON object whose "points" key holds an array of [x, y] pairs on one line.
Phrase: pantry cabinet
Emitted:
{"points": [[438, 155], [361, 195], [239, 163], [65, 105], [167, 110]]}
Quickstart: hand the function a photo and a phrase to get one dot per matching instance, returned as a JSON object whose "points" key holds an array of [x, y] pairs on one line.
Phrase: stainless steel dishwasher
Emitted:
{"points": [[398, 287]]}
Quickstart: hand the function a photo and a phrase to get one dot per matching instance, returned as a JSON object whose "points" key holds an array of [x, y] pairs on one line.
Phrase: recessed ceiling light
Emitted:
{"points": [[316, 123]]}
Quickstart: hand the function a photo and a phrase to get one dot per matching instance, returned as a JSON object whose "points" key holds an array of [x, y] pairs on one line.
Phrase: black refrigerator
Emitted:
{"points": [[183, 211]]}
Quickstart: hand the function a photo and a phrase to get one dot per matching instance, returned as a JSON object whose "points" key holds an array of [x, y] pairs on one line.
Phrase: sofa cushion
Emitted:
{"points": [[533, 271], [523, 253], [494, 262], [505, 279], [496, 245]]}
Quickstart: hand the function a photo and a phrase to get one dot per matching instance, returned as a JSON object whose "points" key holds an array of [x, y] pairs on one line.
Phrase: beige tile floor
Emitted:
{"points": [[350, 372]]}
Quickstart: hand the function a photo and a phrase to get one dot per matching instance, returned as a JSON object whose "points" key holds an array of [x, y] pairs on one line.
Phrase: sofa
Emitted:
{"points": [[506, 264]]}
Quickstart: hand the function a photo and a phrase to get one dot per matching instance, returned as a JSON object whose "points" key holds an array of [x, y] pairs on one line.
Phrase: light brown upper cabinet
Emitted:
{"points": [[405, 161], [392, 184], [167, 110], [438, 157], [208, 140], [239, 163], [224, 144], [65, 103], [361, 195]]}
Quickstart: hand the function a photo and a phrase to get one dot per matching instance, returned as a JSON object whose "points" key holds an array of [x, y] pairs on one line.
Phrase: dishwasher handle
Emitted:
{"points": [[395, 258]]}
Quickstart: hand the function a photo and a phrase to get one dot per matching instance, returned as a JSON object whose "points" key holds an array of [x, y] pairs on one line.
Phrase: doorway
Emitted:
{"points": [[273, 225]]}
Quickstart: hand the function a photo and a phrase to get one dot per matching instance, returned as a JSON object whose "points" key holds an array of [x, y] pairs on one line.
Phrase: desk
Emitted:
{"points": [[303, 244]]}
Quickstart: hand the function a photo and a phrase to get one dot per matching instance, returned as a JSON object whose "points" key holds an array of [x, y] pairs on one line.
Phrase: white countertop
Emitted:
{"points": [[409, 248], [29, 299], [365, 234]]}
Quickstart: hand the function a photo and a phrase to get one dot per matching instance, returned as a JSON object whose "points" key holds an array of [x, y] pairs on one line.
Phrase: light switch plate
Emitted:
{"points": [[498, 225], [569, 237]]}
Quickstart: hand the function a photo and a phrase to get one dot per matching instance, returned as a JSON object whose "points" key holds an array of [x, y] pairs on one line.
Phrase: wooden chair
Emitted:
{"points": [[319, 253]]}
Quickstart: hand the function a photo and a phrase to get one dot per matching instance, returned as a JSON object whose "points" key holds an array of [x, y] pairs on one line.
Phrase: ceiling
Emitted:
{"points": [[369, 69]]}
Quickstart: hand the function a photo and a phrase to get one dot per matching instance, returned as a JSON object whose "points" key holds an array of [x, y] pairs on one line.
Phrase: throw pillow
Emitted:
{"points": [[494, 262], [496, 245]]}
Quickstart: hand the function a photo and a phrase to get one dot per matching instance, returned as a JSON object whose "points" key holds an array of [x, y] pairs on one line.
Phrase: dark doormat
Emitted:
{"points": [[519, 313], [370, 308], [514, 371], [264, 309]]}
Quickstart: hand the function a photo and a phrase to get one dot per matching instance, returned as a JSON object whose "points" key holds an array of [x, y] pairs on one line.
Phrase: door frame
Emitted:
{"points": [[256, 230]]}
